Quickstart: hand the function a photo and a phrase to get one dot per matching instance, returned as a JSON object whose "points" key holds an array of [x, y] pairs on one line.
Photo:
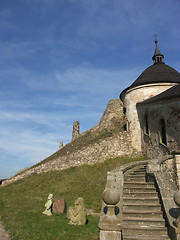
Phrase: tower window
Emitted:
{"points": [[162, 132], [124, 110], [146, 124], [125, 127]]}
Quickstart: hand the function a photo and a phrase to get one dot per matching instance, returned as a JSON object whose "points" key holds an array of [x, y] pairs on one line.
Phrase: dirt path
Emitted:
{"points": [[3, 235]]}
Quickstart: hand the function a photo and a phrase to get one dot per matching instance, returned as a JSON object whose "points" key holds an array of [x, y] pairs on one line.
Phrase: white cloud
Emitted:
{"points": [[96, 81]]}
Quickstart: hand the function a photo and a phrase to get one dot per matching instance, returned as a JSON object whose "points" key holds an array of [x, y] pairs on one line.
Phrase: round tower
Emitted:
{"points": [[154, 80]]}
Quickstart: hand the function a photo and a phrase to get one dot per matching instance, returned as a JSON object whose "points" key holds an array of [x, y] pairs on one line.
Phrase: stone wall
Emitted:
{"points": [[133, 96], [111, 118], [169, 111], [111, 147]]}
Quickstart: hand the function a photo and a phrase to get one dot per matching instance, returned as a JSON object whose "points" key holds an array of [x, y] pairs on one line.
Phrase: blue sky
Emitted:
{"points": [[63, 60]]}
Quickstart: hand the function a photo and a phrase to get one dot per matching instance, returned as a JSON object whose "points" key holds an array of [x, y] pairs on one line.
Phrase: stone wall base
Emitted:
{"points": [[110, 235]]}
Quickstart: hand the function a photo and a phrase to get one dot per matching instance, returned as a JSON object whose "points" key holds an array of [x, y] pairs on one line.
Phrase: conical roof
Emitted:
{"points": [[159, 72]]}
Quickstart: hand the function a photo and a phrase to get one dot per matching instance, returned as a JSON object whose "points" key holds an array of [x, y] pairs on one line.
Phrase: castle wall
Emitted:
{"points": [[111, 118], [116, 146], [152, 145], [130, 98]]}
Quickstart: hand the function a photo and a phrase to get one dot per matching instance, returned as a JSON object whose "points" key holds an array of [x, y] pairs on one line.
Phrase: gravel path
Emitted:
{"points": [[3, 235]]}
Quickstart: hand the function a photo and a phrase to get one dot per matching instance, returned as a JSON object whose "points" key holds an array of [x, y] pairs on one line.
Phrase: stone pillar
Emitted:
{"points": [[60, 145], [177, 159], [75, 133], [177, 221], [110, 223]]}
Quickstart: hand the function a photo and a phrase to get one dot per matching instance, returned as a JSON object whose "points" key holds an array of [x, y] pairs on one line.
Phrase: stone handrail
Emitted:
{"points": [[110, 222], [166, 188], [111, 213]]}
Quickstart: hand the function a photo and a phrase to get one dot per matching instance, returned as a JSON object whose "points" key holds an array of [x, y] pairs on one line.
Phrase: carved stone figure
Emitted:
{"points": [[77, 214], [48, 205]]}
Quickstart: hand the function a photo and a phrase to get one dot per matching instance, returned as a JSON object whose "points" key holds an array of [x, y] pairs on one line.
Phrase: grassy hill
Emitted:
{"points": [[22, 202], [87, 138]]}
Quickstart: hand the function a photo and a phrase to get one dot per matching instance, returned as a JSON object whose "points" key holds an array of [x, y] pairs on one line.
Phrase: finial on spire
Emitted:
{"points": [[158, 56], [155, 36]]}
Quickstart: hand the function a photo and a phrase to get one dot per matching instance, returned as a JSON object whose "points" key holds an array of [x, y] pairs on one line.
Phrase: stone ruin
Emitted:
{"points": [[75, 133]]}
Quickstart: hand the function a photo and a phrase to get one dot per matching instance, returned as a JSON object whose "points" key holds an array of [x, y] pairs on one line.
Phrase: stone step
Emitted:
{"points": [[145, 231], [135, 170], [142, 213], [136, 189], [133, 174], [143, 207], [144, 237], [143, 222], [140, 194], [139, 200], [136, 174], [138, 184], [140, 170], [135, 178]]}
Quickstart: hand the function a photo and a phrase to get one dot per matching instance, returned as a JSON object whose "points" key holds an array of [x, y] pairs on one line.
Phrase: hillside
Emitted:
{"points": [[105, 140], [22, 202]]}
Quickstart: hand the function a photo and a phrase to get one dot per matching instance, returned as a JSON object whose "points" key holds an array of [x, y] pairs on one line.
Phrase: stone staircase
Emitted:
{"points": [[142, 215]]}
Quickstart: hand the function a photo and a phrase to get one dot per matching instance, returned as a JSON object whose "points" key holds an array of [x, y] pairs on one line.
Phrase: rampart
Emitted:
{"points": [[109, 140]]}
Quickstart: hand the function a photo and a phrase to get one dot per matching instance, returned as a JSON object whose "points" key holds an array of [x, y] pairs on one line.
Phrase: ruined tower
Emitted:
{"points": [[75, 132]]}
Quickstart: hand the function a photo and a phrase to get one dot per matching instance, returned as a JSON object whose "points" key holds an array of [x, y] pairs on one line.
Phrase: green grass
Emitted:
{"points": [[22, 203]]}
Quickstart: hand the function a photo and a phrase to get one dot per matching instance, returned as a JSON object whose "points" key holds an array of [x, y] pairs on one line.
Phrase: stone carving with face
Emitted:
{"points": [[48, 205], [77, 214]]}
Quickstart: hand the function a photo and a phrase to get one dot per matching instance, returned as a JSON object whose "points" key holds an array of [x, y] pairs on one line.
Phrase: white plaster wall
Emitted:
{"points": [[130, 98]]}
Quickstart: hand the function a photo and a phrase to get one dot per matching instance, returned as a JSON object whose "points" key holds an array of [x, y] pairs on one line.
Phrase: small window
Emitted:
{"points": [[124, 110], [146, 124], [162, 132], [125, 127]]}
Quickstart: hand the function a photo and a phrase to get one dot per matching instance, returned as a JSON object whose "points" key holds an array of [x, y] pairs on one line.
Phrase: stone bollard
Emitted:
{"points": [[111, 197], [110, 223]]}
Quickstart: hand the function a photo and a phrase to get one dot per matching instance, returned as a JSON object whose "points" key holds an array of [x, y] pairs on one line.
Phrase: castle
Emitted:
{"points": [[151, 110], [144, 121], [151, 106]]}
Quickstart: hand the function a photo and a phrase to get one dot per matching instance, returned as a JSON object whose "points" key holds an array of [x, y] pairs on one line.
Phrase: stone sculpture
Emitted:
{"points": [[59, 205], [48, 205], [77, 214]]}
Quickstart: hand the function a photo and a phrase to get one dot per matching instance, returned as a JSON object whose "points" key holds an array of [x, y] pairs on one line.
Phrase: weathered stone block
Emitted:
{"points": [[59, 205], [110, 235]]}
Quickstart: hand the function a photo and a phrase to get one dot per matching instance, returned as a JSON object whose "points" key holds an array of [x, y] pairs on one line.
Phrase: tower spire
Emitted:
{"points": [[158, 56]]}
